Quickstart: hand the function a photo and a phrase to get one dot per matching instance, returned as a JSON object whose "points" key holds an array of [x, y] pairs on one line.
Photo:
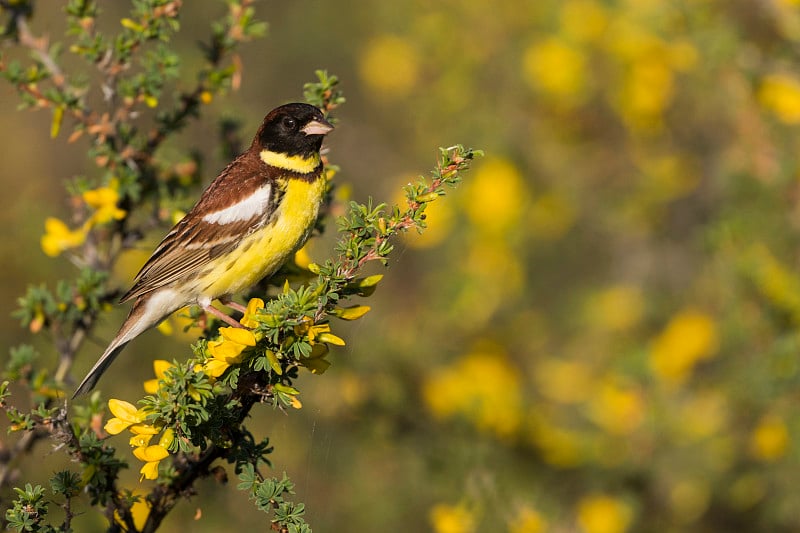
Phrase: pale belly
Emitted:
{"points": [[263, 252]]}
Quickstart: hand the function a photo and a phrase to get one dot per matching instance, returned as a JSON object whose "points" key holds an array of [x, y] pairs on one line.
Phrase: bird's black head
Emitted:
{"points": [[293, 129]]}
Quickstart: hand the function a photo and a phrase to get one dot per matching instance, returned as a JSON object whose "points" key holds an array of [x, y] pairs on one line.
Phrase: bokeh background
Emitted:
{"points": [[598, 333]]}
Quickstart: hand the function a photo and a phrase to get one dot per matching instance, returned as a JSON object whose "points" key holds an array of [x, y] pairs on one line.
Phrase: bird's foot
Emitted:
{"points": [[210, 309], [236, 306]]}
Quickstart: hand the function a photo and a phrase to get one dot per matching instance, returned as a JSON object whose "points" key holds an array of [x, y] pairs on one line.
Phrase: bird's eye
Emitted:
{"points": [[289, 123]]}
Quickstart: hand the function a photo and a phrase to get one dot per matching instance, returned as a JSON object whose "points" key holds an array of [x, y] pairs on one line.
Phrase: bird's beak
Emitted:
{"points": [[317, 127]]}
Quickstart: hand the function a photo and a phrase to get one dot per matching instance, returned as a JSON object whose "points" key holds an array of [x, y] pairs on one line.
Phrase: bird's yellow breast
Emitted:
{"points": [[264, 251]]}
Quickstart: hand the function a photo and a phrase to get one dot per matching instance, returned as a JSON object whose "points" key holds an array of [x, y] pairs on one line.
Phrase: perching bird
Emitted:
{"points": [[257, 213]]}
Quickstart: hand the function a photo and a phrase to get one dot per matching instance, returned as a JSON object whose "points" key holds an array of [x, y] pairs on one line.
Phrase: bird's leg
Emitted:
{"points": [[222, 316], [236, 306]]}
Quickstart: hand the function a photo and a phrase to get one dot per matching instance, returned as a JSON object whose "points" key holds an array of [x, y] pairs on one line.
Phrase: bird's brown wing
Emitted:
{"points": [[194, 242]]}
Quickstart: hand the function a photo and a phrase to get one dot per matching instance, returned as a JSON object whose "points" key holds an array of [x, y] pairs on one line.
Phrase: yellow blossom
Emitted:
{"points": [[104, 200], [452, 519], [618, 408], [389, 66], [584, 20], [228, 349], [496, 196], [770, 439], [647, 91], [690, 337], [603, 514], [140, 440], [302, 257], [160, 366], [318, 333], [153, 455], [125, 415], [559, 446], [149, 470], [253, 306], [483, 387], [616, 308], [780, 94], [562, 380], [59, 238], [557, 69]]}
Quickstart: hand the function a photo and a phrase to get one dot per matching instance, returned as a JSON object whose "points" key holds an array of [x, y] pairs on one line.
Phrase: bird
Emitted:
{"points": [[259, 211]]}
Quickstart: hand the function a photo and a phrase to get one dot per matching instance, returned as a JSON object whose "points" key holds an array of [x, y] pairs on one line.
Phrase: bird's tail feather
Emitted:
{"points": [[141, 317]]}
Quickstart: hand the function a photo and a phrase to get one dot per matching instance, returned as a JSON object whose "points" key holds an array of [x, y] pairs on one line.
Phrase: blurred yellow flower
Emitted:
{"points": [[528, 520], [160, 366], [302, 257], [583, 20], [617, 408], [59, 238], [703, 414], [389, 66], [690, 337], [104, 201], [452, 519], [562, 380], [780, 94], [560, 447], [440, 218], [775, 280], [557, 69], [603, 514], [616, 308], [770, 439], [481, 386], [646, 92], [495, 196]]}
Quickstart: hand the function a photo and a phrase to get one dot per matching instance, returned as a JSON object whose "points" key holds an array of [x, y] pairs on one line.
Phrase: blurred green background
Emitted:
{"points": [[599, 332]]}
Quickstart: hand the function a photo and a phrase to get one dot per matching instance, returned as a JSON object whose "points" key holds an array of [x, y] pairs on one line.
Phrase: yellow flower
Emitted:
{"points": [[557, 69], [617, 408], [780, 94], [496, 196], [59, 238], [616, 308], [317, 333], [104, 200], [140, 440], [483, 387], [389, 66], [603, 514], [562, 380], [452, 519], [646, 93], [440, 219], [153, 455], [160, 366], [689, 337], [125, 415], [253, 306], [227, 350], [584, 20], [770, 439]]}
